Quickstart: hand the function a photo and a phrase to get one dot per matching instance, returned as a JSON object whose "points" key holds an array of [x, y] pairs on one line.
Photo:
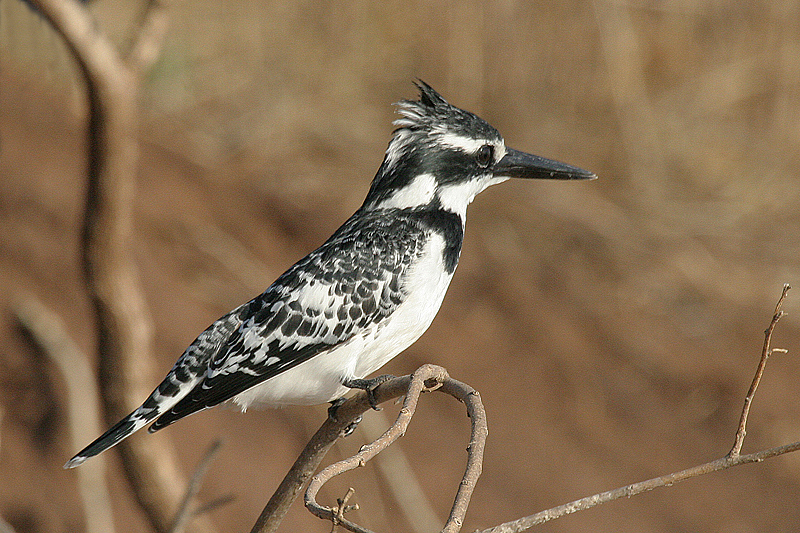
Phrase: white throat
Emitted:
{"points": [[417, 193], [453, 197], [456, 197]]}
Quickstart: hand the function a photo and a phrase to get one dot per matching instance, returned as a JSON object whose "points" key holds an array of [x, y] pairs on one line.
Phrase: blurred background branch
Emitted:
{"points": [[48, 332], [124, 328], [618, 314]]}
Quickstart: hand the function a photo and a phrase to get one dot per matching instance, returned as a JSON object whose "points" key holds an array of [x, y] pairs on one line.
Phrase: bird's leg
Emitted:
{"points": [[335, 405], [351, 427], [369, 386]]}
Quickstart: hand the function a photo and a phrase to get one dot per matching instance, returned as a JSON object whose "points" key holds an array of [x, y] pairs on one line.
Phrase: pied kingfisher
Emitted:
{"points": [[365, 295]]}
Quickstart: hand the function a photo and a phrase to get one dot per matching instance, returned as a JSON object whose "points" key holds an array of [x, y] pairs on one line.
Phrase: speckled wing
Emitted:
{"points": [[353, 281]]}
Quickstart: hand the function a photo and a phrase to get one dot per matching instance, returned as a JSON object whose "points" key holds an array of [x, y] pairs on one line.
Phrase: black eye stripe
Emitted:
{"points": [[485, 155]]}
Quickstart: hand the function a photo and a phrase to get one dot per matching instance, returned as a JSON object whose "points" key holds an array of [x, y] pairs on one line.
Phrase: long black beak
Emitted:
{"points": [[516, 164]]}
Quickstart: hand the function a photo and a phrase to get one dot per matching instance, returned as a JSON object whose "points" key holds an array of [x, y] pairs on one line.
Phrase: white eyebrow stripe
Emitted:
{"points": [[468, 144], [471, 145]]}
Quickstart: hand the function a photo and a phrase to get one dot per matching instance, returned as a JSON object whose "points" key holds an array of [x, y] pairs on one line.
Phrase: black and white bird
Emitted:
{"points": [[347, 308]]}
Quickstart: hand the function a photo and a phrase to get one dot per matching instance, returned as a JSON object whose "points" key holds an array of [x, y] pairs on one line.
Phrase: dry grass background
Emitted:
{"points": [[612, 327]]}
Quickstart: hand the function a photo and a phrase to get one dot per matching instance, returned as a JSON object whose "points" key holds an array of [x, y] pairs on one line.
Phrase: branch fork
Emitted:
{"points": [[765, 353], [427, 378]]}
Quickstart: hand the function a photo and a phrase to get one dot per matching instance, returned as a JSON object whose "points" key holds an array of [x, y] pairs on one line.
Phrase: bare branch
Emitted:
{"points": [[765, 353], [316, 449], [368, 451], [627, 491], [477, 443], [732, 459], [150, 36], [427, 377], [399, 479], [184, 510], [123, 322], [47, 330]]}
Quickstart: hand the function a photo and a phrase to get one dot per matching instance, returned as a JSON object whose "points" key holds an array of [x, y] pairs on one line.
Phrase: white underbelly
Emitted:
{"points": [[319, 379]]}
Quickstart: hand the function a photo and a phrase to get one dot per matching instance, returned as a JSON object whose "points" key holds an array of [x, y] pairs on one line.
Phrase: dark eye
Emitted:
{"points": [[485, 155]]}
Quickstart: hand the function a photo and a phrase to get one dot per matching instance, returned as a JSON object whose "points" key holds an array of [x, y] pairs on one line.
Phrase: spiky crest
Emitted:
{"points": [[432, 114]]}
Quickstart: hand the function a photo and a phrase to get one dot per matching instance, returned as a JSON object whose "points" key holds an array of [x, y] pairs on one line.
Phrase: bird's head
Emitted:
{"points": [[443, 155]]}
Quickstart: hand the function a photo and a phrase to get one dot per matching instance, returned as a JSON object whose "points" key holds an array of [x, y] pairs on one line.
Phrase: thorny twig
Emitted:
{"points": [[765, 353], [733, 458]]}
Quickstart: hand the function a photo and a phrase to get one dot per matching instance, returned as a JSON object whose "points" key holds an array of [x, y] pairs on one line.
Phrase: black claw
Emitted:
{"points": [[351, 427], [373, 402]]}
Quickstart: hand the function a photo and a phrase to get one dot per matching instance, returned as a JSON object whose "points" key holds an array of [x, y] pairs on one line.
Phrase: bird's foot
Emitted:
{"points": [[351, 427], [368, 386]]}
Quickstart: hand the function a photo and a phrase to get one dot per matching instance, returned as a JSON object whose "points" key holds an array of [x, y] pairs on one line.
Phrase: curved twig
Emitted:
{"points": [[477, 443], [397, 477], [427, 377], [49, 332], [368, 451], [316, 449]]}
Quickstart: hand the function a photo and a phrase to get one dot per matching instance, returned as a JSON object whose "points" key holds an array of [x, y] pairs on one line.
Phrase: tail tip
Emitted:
{"points": [[75, 461]]}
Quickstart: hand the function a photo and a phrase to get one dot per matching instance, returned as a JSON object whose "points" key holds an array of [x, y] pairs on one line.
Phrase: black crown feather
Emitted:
{"points": [[433, 114]]}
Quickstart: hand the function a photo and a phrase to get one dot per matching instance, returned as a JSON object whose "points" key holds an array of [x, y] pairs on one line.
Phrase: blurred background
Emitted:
{"points": [[612, 327]]}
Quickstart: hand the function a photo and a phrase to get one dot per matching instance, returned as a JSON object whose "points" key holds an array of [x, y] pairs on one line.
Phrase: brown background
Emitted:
{"points": [[612, 327]]}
